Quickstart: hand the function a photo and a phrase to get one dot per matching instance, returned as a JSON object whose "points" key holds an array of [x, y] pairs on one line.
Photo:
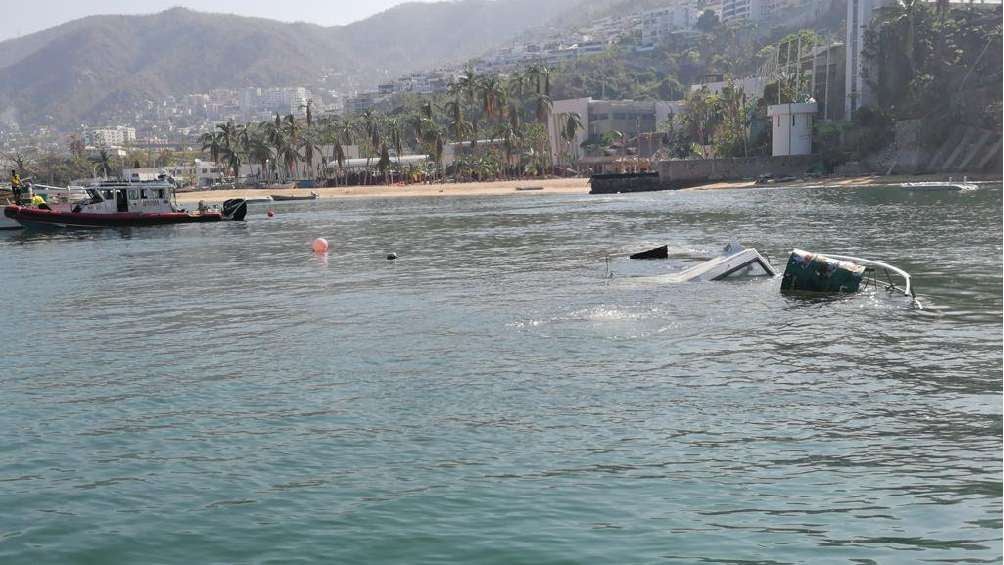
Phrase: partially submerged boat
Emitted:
{"points": [[736, 261], [122, 204], [829, 273]]}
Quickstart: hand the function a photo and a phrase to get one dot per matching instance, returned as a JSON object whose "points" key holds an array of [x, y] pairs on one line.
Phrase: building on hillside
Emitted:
{"points": [[599, 117], [110, 136], [775, 12], [860, 14], [200, 173], [282, 100], [142, 174], [753, 86], [363, 101], [114, 151], [657, 25], [250, 100], [737, 10], [828, 85]]}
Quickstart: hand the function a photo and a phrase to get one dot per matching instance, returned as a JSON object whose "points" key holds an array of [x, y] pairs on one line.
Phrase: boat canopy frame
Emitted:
{"points": [[873, 267]]}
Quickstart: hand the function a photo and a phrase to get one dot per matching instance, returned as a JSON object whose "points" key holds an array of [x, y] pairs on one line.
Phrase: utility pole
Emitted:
{"points": [[798, 68], [826, 86]]}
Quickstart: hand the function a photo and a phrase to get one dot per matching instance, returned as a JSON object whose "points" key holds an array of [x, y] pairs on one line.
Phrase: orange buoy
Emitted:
{"points": [[320, 245]]}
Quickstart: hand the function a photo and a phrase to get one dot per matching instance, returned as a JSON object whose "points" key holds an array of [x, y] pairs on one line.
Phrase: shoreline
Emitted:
{"points": [[578, 185], [857, 181]]}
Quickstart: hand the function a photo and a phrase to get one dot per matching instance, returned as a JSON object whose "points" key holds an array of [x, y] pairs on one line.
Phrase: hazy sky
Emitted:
{"points": [[22, 18]]}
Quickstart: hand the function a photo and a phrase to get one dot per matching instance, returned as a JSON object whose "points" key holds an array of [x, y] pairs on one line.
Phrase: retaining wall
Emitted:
{"points": [[695, 171]]}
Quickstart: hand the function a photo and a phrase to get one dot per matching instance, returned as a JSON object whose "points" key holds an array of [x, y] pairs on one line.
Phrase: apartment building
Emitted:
{"points": [[110, 136]]}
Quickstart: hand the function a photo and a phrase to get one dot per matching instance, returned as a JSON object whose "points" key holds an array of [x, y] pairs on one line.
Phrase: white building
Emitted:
{"points": [[753, 86], [284, 100], [206, 173], [860, 14], [656, 25], [601, 116], [771, 11], [250, 99], [791, 128], [110, 136]]}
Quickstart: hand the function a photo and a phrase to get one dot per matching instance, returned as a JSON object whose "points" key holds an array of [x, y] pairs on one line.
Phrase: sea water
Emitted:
{"points": [[511, 390]]}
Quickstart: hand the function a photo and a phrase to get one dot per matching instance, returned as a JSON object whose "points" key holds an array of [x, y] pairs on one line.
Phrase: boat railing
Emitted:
{"points": [[907, 288]]}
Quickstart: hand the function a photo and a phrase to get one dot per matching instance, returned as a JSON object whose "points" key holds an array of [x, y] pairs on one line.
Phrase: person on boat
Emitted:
{"points": [[15, 186], [39, 202]]}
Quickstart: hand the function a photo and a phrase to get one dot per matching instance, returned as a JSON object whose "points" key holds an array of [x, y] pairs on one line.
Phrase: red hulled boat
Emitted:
{"points": [[123, 204]]}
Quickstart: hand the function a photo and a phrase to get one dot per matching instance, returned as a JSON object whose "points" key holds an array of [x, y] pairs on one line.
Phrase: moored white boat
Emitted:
{"points": [[939, 186]]}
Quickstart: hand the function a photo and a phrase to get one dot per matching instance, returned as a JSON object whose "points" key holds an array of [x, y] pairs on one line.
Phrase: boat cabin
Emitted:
{"points": [[137, 198]]}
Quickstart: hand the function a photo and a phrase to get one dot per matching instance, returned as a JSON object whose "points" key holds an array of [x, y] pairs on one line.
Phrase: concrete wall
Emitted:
{"points": [[696, 171], [630, 182]]}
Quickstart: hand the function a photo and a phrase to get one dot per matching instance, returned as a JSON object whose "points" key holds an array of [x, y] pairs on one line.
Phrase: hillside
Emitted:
{"points": [[76, 71]]}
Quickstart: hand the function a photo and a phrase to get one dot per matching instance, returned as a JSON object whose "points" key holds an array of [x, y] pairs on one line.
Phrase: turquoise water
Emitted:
{"points": [[219, 394]]}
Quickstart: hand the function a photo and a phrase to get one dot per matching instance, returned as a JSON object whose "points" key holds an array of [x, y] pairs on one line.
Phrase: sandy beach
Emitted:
{"points": [[497, 188], [546, 186]]}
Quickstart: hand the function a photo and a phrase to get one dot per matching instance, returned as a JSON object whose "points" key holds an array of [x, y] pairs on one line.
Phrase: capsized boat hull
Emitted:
{"points": [[34, 217]]}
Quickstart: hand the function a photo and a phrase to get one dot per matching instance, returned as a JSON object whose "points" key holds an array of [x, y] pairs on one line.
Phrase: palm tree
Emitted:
{"points": [[275, 138], [258, 151], [104, 162], [384, 163], [370, 128], [571, 124], [542, 111], [211, 142], [395, 133], [455, 119], [493, 95], [289, 156], [308, 143], [468, 85], [344, 135], [540, 75]]}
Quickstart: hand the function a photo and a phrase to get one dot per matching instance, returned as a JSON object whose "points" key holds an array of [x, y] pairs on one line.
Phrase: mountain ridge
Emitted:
{"points": [[76, 71]]}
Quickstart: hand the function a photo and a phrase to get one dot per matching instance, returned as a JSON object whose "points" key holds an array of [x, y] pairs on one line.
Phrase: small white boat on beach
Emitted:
{"points": [[938, 186], [258, 199]]}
